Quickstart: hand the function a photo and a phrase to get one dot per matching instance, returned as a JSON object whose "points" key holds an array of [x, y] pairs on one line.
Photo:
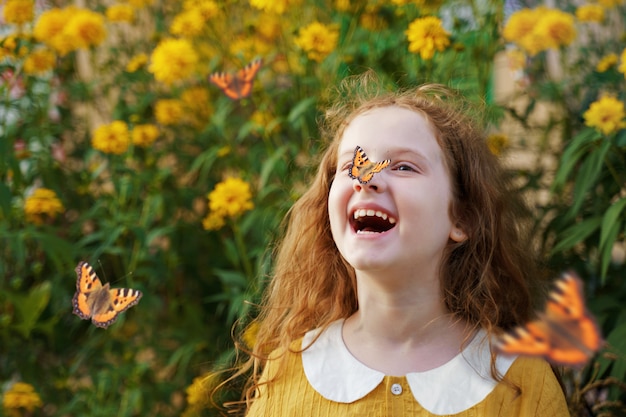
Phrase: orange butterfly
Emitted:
{"points": [[237, 85], [565, 334], [99, 302], [362, 168]]}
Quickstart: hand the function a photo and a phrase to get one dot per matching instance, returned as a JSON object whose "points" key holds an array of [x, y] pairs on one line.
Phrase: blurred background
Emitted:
{"points": [[116, 149]]}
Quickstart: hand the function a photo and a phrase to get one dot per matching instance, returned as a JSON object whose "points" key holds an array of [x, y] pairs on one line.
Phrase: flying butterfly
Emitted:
{"points": [[362, 168], [237, 85], [100, 302], [564, 334]]}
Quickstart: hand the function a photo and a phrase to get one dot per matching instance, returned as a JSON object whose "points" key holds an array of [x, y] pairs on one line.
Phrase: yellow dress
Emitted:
{"points": [[327, 381]]}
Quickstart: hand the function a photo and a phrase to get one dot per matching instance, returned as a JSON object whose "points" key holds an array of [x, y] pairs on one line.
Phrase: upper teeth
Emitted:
{"points": [[369, 212]]}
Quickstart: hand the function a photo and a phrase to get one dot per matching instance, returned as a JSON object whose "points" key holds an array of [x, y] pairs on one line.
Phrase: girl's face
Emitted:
{"points": [[400, 219]]}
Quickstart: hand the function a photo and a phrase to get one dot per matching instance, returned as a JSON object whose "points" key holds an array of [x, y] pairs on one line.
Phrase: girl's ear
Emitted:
{"points": [[457, 234]]}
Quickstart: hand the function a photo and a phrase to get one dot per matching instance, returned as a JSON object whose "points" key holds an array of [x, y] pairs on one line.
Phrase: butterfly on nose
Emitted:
{"points": [[362, 169]]}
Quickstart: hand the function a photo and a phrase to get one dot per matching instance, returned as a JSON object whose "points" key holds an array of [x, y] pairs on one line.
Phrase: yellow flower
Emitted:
{"points": [[426, 35], [137, 62], [121, 13], [188, 23], [112, 138], [87, 28], [39, 61], [622, 65], [607, 62], [168, 111], [19, 12], [231, 198], [223, 151], [22, 395], [274, 6], [197, 103], [590, 13], [317, 40], [49, 29], [144, 135], [213, 221], [497, 143], [42, 203], [12, 46], [606, 115], [372, 19], [209, 9], [556, 28], [173, 60]]}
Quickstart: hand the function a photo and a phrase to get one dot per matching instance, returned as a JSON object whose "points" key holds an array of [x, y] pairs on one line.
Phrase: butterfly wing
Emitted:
{"points": [[565, 334], [240, 84], [362, 168], [576, 336], [119, 300], [87, 286]]}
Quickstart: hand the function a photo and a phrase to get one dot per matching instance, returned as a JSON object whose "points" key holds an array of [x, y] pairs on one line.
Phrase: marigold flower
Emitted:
{"points": [[86, 27], [317, 40], [590, 13], [41, 204], [144, 135], [137, 62], [22, 395], [497, 143], [607, 62], [121, 13], [19, 12], [274, 6], [168, 111], [213, 221], [188, 23], [231, 197], [197, 101], [606, 115], [556, 28], [208, 9], [12, 46], [113, 138], [426, 35], [39, 61], [50, 29], [173, 60]]}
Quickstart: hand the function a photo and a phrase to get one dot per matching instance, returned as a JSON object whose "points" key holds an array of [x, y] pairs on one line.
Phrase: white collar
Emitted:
{"points": [[455, 386]]}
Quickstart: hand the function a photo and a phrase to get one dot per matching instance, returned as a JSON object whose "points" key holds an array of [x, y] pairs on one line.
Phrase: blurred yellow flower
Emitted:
{"points": [[173, 60], [497, 143], [426, 35], [112, 138], [50, 26], [197, 103], [39, 61], [213, 221], [223, 151], [590, 13], [556, 28], [86, 27], [536, 30], [13, 46], [21, 395], [188, 23], [231, 198], [168, 111], [249, 335], [18, 12], [606, 115], [121, 13], [136, 62], [606, 62], [622, 65], [144, 135], [42, 203], [372, 19], [317, 40], [274, 6]]}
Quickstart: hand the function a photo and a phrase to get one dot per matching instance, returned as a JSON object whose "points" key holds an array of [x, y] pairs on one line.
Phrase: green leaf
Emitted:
{"points": [[587, 175], [269, 164], [577, 233], [30, 306], [299, 109], [572, 154]]}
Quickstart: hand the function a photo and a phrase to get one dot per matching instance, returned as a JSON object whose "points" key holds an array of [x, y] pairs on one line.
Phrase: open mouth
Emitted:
{"points": [[371, 221]]}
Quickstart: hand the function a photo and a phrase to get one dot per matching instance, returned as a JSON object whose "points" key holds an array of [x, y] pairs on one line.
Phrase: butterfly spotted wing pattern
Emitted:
{"points": [[362, 168], [564, 334], [239, 84], [100, 302]]}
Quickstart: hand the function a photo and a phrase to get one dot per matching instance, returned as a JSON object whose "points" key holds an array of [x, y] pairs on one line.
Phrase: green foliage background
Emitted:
{"points": [[137, 217]]}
